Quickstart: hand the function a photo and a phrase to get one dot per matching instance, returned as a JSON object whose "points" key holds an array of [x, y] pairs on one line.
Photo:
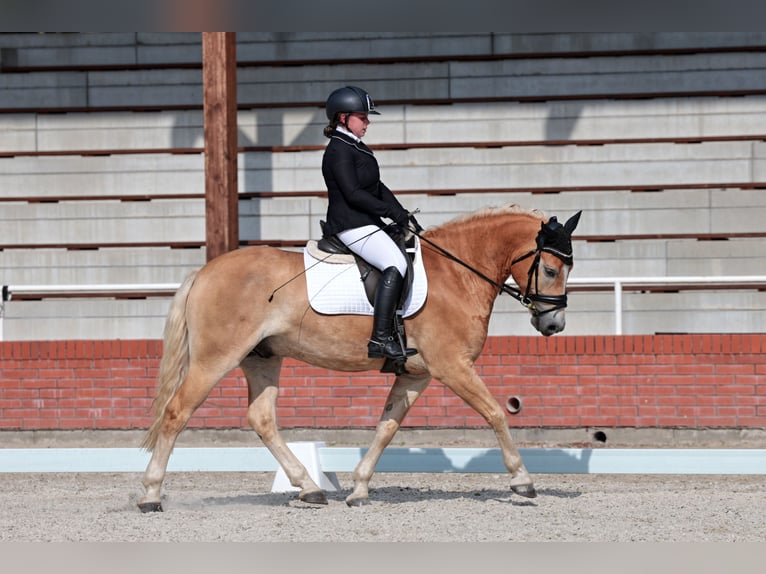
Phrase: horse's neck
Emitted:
{"points": [[490, 244]]}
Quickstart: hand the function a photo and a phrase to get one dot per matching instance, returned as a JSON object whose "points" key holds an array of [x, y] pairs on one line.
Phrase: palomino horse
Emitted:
{"points": [[223, 316]]}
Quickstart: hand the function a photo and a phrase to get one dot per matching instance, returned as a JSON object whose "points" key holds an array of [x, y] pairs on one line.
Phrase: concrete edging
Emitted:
{"points": [[408, 460]]}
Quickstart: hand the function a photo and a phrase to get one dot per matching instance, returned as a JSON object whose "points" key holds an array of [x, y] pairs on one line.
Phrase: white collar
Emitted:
{"points": [[343, 130]]}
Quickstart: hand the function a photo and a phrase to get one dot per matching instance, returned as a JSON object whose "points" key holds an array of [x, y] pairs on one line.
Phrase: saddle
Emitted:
{"points": [[330, 249], [370, 276]]}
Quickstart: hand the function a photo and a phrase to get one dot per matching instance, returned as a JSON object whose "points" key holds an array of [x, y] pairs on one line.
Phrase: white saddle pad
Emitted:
{"points": [[335, 288]]}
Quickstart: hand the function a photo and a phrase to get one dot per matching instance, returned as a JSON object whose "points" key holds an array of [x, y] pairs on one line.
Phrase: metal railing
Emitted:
{"points": [[697, 282], [588, 284]]}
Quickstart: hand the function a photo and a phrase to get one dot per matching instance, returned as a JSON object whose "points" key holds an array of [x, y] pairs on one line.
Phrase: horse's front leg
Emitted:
{"points": [[469, 386], [404, 392], [263, 388]]}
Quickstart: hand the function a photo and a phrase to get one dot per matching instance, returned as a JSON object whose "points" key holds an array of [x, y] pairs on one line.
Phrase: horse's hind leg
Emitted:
{"points": [[188, 397], [404, 392], [262, 375]]}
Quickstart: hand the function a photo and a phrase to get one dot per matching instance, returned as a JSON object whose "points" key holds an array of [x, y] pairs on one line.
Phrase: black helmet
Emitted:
{"points": [[349, 99]]}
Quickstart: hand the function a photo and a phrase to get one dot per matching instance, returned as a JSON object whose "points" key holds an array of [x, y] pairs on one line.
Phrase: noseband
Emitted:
{"points": [[528, 299]]}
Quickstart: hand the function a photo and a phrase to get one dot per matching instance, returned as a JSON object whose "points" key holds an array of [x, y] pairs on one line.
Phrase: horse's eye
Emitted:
{"points": [[550, 272]]}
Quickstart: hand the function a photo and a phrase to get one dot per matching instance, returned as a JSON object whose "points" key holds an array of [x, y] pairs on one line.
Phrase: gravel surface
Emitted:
{"points": [[403, 507]]}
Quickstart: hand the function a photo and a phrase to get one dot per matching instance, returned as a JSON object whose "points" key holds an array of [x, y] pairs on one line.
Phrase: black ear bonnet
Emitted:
{"points": [[557, 239]]}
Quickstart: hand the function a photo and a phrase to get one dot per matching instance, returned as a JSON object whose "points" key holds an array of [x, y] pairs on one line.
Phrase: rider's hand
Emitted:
{"points": [[403, 219], [415, 225]]}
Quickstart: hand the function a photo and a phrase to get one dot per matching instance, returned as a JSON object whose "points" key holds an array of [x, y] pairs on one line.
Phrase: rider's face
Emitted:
{"points": [[357, 124]]}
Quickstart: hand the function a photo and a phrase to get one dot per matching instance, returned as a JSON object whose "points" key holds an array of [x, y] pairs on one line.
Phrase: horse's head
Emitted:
{"points": [[543, 283]]}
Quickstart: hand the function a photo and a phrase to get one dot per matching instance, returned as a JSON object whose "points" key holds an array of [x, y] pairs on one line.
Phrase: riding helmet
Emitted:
{"points": [[348, 100]]}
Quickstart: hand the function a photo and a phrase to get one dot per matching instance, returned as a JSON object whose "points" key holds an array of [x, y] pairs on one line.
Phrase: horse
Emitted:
{"points": [[249, 308]]}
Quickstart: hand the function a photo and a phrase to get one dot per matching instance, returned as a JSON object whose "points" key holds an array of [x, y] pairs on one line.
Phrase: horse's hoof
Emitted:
{"points": [[357, 502], [145, 507], [314, 497], [527, 491]]}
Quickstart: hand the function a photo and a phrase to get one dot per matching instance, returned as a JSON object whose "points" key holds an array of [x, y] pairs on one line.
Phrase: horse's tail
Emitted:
{"points": [[175, 359]]}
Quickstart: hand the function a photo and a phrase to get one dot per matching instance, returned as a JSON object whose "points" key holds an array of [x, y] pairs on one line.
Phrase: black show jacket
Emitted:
{"points": [[356, 195]]}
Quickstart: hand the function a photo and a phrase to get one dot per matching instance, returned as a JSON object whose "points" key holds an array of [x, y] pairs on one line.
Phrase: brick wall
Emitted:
{"points": [[663, 381]]}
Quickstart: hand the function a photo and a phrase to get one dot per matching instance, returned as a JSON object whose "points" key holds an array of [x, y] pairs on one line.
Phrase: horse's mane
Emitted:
{"points": [[488, 212]]}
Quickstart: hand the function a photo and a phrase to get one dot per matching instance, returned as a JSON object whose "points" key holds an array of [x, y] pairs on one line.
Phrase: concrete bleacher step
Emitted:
{"points": [[424, 169], [578, 120], [425, 81], [588, 313], [102, 176], [25, 50], [489, 122], [107, 266], [30, 50], [741, 311], [129, 264], [103, 222], [664, 257], [52, 319], [676, 212], [142, 265]]}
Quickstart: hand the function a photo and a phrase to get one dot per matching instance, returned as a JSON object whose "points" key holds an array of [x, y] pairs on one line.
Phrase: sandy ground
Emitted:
{"points": [[404, 507]]}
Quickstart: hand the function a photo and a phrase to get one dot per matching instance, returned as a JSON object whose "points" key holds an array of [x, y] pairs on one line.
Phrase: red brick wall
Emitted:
{"points": [[679, 381]]}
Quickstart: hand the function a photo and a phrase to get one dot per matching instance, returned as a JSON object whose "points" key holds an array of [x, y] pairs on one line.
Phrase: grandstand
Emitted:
{"points": [[657, 137]]}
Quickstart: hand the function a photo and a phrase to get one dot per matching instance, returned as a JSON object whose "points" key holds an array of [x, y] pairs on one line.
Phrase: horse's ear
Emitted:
{"points": [[572, 222]]}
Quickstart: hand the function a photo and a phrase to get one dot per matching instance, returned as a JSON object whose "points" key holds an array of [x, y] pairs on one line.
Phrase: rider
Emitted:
{"points": [[357, 201]]}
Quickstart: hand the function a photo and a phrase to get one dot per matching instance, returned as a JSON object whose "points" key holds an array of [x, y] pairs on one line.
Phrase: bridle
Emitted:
{"points": [[527, 299]]}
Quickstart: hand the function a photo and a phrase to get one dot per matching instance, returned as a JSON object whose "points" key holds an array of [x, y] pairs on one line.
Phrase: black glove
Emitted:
{"points": [[403, 219], [407, 221], [415, 225]]}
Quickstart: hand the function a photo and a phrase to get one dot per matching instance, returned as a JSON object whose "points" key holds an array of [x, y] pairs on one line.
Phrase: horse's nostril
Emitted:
{"points": [[551, 329]]}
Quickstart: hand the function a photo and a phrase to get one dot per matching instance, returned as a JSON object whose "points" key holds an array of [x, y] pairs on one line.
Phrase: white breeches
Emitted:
{"points": [[374, 246]]}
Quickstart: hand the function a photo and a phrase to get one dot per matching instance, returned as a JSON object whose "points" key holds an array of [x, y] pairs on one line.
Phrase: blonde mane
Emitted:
{"points": [[491, 212]]}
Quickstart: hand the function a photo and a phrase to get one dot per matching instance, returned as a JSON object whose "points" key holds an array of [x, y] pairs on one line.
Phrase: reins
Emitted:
{"points": [[527, 299]]}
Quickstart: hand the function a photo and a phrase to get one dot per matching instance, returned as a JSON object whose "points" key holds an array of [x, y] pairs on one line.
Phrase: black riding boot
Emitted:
{"points": [[384, 341]]}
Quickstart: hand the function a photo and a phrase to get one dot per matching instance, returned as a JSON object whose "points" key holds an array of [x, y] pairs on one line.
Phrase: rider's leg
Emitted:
{"points": [[384, 341], [377, 248], [374, 245]]}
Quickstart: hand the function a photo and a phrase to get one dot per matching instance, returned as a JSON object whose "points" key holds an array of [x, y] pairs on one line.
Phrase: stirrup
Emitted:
{"points": [[377, 350]]}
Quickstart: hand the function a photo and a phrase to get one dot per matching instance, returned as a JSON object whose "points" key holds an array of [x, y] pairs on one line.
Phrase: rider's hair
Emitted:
{"points": [[330, 128]]}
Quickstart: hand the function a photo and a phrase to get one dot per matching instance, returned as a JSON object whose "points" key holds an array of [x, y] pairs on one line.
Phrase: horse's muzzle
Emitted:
{"points": [[548, 324]]}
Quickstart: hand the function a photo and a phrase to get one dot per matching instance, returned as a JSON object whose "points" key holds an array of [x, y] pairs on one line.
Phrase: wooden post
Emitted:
{"points": [[219, 79]]}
